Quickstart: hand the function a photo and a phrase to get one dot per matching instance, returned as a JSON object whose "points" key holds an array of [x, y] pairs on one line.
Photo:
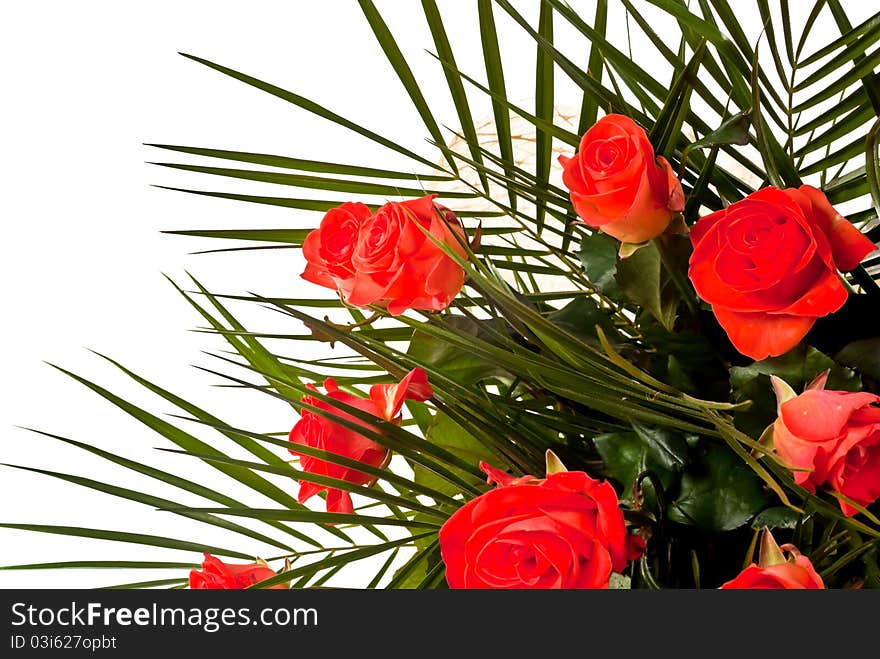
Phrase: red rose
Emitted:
{"points": [[768, 266], [328, 248], [834, 436], [217, 575], [387, 258], [795, 574], [565, 531], [618, 185], [318, 432]]}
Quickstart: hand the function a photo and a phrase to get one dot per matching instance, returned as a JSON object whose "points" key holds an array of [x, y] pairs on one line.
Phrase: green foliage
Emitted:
{"points": [[598, 254], [643, 279], [718, 492], [446, 433], [627, 455]]}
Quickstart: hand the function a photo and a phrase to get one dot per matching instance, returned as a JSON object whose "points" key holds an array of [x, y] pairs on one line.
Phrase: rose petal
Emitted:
{"points": [[388, 398], [822, 415], [848, 244], [762, 335]]}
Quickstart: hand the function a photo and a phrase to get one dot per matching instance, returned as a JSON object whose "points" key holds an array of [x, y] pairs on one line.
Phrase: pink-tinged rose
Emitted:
{"points": [[834, 438], [217, 575], [768, 266], [328, 249], [564, 531], [318, 432], [618, 185], [796, 573]]}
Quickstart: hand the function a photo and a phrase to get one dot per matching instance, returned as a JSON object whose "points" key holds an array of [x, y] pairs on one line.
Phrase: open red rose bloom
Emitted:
{"points": [[217, 575], [768, 266], [565, 531], [318, 432], [391, 258]]}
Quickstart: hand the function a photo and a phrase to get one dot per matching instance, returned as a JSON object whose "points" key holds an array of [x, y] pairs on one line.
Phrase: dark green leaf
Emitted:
{"points": [[733, 131], [628, 454], [580, 317], [642, 278], [778, 517], [454, 362], [598, 254], [718, 492], [863, 356], [444, 432]]}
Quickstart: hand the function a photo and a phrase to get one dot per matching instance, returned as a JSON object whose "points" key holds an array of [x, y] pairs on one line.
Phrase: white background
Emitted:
{"points": [[84, 85]]}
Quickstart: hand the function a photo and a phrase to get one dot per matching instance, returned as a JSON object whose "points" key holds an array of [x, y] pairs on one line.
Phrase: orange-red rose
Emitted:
{"points": [[316, 431], [328, 248], [565, 531], [217, 575], [833, 438], [797, 573], [768, 266], [388, 258], [618, 185]]}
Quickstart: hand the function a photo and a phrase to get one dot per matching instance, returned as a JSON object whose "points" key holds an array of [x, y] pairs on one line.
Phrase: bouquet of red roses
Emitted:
{"points": [[643, 355]]}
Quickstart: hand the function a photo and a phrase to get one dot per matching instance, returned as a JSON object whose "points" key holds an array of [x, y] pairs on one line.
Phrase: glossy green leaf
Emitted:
{"points": [[778, 517], [626, 455], [718, 492], [598, 254], [454, 362], [643, 280], [581, 316], [863, 356], [444, 432]]}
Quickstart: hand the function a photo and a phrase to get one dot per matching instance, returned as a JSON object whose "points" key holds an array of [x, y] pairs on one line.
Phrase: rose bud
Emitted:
{"points": [[774, 572], [768, 266], [565, 531], [832, 438], [618, 185], [217, 575], [316, 431]]}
